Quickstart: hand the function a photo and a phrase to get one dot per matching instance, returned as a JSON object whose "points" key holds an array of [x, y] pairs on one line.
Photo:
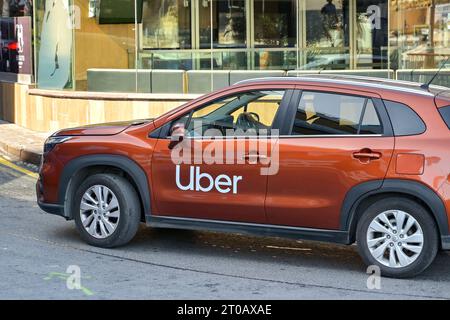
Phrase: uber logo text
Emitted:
{"points": [[222, 183]]}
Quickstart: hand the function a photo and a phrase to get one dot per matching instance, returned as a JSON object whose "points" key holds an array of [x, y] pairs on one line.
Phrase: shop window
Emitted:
{"points": [[419, 34], [226, 22], [15, 8], [166, 24], [15, 37], [372, 34], [327, 35], [275, 24]]}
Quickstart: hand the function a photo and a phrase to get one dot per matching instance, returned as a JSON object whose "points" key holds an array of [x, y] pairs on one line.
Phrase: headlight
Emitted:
{"points": [[51, 142]]}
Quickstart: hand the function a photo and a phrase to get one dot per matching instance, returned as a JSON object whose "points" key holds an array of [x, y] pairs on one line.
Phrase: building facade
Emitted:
{"points": [[195, 46]]}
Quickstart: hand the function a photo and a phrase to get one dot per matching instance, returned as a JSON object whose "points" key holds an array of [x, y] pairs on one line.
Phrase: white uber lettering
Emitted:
{"points": [[204, 182], [223, 181], [190, 186], [198, 181]]}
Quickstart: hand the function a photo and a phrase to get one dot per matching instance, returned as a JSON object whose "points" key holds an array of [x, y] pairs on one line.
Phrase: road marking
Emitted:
{"points": [[15, 167]]}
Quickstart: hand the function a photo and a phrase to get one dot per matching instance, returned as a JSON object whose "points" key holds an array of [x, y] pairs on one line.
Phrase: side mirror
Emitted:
{"points": [[177, 134]]}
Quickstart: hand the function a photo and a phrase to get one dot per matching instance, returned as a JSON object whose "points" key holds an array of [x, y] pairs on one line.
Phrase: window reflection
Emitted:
{"points": [[167, 24], [326, 23], [275, 23], [419, 33], [275, 27], [228, 24], [226, 21], [371, 34]]}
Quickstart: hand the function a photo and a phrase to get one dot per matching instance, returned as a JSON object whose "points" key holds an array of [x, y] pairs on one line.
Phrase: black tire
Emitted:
{"points": [[424, 219], [130, 210]]}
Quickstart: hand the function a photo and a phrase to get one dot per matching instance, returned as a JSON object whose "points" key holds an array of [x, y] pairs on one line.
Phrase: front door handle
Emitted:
{"points": [[253, 156]]}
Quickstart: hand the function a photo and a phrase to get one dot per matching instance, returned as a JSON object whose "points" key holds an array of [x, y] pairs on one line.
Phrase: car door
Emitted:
{"points": [[333, 140], [229, 186]]}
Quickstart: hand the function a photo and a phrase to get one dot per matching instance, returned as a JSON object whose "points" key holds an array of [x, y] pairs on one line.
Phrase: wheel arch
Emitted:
{"points": [[363, 195], [77, 169]]}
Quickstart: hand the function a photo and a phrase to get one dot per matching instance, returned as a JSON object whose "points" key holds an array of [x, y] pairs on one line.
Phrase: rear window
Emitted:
{"points": [[320, 113], [405, 120], [445, 113]]}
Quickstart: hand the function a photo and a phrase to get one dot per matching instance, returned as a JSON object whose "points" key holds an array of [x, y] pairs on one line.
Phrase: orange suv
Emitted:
{"points": [[336, 159]]}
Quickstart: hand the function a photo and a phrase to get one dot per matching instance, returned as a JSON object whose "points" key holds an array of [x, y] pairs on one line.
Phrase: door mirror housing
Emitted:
{"points": [[177, 134]]}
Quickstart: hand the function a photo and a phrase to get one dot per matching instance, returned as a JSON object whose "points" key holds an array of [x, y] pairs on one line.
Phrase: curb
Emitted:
{"points": [[22, 153]]}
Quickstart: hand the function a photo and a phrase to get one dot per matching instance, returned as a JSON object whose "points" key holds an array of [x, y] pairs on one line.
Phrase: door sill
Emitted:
{"points": [[264, 230]]}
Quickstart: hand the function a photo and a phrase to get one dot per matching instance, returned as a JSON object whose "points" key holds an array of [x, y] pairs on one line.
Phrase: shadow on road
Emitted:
{"points": [[287, 253]]}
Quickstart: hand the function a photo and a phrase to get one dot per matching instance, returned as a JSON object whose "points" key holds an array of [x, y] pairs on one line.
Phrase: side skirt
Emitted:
{"points": [[334, 236]]}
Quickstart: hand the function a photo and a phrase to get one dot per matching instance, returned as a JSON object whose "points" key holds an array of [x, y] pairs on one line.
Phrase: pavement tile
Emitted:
{"points": [[22, 143]]}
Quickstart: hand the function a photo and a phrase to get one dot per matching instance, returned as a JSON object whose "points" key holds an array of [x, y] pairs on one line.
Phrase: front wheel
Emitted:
{"points": [[106, 210], [399, 236]]}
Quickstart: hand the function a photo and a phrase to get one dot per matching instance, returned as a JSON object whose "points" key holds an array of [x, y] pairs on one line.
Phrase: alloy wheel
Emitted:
{"points": [[395, 238], [100, 211]]}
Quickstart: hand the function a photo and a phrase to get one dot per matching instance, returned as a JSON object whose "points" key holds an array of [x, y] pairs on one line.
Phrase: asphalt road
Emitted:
{"points": [[36, 250]]}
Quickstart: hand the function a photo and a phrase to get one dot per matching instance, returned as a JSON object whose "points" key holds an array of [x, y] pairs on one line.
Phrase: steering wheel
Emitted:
{"points": [[248, 120]]}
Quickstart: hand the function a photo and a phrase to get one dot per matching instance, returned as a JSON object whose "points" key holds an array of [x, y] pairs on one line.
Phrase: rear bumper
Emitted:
{"points": [[445, 242]]}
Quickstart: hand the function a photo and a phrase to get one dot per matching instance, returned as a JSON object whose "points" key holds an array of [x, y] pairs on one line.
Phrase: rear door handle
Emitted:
{"points": [[367, 154]]}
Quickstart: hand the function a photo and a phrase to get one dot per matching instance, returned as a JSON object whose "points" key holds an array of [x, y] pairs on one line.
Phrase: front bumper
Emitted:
{"points": [[55, 209], [51, 208]]}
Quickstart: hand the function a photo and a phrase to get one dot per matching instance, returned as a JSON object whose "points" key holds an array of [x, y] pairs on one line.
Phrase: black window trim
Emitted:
{"points": [[380, 109]]}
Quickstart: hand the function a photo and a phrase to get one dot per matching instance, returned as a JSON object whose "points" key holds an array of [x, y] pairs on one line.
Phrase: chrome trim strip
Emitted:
{"points": [[286, 136], [332, 136]]}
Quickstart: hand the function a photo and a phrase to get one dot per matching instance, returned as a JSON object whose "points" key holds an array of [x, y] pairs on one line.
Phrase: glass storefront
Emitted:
{"points": [[15, 37], [419, 33], [89, 43]]}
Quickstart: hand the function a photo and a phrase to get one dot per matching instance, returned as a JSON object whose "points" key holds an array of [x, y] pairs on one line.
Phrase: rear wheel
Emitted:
{"points": [[399, 236], [106, 210]]}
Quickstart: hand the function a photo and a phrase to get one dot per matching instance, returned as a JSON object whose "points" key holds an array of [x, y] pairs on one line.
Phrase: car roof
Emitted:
{"points": [[361, 82]]}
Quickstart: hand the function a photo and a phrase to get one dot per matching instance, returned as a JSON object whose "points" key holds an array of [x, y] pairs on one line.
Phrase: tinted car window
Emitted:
{"points": [[370, 123], [445, 113], [249, 112], [321, 113], [405, 121]]}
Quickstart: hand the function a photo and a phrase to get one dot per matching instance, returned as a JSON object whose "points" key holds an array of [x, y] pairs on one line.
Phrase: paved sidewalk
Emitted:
{"points": [[22, 143]]}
